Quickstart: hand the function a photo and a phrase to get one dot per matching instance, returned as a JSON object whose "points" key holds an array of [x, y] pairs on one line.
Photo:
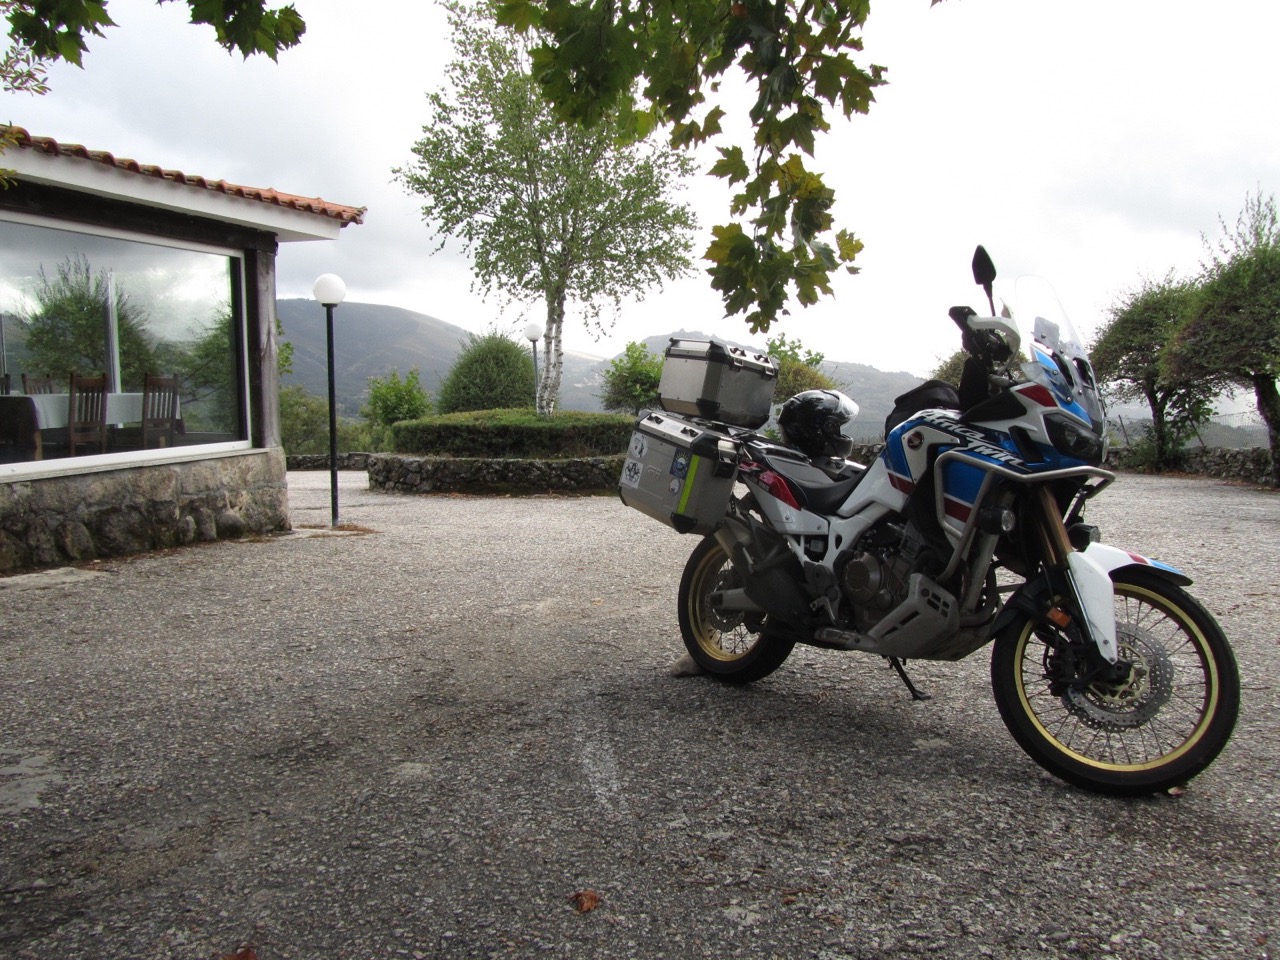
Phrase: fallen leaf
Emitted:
{"points": [[244, 953], [584, 901]]}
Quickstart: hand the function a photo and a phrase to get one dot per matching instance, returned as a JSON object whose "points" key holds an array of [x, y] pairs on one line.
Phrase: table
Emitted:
{"points": [[22, 417]]}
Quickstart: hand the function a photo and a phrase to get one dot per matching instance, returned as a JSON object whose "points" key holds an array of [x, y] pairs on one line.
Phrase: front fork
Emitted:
{"points": [[1086, 580]]}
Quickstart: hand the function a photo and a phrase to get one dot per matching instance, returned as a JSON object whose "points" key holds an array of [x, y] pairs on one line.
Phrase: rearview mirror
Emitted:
{"points": [[984, 274], [984, 271]]}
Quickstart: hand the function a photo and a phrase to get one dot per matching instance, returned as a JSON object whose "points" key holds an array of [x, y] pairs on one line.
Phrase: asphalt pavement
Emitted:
{"points": [[452, 729]]}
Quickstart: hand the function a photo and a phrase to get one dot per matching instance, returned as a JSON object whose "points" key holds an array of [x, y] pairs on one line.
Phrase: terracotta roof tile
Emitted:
{"points": [[47, 145]]}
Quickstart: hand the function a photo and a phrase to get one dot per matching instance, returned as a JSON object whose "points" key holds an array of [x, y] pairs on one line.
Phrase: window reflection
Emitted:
{"points": [[142, 315]]}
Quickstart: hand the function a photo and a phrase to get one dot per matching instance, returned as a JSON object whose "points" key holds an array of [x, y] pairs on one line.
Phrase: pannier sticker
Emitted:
{"points": [[632, 471], [674, 486], [680, 464], [639, 445]]}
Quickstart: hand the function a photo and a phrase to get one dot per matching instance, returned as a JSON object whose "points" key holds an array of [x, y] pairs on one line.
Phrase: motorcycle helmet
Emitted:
{"points": [[811, 422]]}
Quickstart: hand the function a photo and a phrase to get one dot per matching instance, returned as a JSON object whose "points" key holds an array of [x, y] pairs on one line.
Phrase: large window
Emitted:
{"points": [[128, 318]]}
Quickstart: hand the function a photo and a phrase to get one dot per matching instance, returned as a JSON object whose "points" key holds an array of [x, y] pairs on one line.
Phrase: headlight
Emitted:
{"points": [[1074, 439]]}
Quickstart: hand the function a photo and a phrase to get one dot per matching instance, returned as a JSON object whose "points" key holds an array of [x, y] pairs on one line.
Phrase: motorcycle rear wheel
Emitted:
{"points": [[723, 643], [1159, 729]]}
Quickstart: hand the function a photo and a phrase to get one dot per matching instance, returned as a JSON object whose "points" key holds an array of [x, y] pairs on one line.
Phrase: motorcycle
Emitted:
{"points": [[967, 528]]}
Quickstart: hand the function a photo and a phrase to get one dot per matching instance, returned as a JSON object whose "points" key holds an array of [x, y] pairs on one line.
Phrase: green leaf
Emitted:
{"points": [[848, 246], [519, 15], [731, 165]]}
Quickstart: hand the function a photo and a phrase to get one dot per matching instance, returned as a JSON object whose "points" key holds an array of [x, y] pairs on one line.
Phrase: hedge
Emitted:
{"points": [[515, 433]]}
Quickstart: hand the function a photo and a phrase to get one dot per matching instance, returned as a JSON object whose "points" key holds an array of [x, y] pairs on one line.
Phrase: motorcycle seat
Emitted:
{"points": [[820, 492]]}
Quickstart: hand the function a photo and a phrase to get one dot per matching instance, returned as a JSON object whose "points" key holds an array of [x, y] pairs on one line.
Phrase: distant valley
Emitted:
{"points": [[371, 340]]}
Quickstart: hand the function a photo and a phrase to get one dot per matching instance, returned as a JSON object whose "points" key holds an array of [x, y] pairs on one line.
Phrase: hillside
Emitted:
{"points": [[371, 340]]}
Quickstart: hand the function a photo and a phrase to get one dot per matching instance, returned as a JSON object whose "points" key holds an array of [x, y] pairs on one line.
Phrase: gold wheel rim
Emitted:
{"points": [[1074, 739], [726, 646]]}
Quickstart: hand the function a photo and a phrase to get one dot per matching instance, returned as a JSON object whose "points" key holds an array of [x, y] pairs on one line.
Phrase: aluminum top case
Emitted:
{"points": [[716, 381], [679, 473]]}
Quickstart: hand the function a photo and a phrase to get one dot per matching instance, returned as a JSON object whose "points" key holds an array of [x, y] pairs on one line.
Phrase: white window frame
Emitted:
{"points": [[101, 463]]}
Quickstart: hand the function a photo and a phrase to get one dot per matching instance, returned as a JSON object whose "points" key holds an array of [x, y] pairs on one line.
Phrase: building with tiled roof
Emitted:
{"points": [[123, 281], [45, 160]]}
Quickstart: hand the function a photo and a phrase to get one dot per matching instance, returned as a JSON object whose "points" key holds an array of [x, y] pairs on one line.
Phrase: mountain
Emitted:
{"points": [[372, 340], [369, 340]]}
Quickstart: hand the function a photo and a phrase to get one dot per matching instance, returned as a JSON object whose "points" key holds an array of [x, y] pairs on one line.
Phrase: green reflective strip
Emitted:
{"points": [[688, 484]]}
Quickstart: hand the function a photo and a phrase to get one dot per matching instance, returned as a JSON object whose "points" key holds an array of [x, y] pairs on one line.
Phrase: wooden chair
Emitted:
{"points": [[87, 413], [33, 385], [159, 410]]}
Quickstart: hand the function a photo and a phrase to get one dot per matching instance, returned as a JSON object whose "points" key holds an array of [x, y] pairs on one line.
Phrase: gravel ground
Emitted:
{"points": [[423, 737]]}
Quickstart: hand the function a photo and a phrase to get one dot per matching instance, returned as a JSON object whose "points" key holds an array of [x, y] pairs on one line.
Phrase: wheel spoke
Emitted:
{"points": [[1159, 709], [721, 635]]}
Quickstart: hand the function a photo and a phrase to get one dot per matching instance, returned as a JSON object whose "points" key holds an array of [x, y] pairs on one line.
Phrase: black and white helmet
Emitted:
{"points": [[811, 422]]}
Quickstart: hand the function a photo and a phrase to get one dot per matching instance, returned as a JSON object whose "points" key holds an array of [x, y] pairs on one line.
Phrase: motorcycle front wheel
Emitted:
{"points": [[729, 645], [1157, 729]]}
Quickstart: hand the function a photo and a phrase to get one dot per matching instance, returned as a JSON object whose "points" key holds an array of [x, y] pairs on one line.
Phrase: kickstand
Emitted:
{"points": [[902, 674]]}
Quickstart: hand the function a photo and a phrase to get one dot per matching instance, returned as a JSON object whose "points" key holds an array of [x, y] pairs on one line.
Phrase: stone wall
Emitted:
{"points": [[60, 520], [1252, 465], [320, 461], [403, 474]]}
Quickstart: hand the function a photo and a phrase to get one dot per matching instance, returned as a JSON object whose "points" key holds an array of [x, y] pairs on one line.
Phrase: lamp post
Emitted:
{"points": [[533, 333], [331, 291]]}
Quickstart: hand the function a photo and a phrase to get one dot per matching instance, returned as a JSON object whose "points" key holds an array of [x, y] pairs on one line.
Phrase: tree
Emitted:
{"points": [[41, 31], [392, 399], [492, 372], [65, 330], [21, 71], [796, 378], [552, 213], [780, 348], [951, 369], [210, 397], [1233, 338], [284, 351], [798, 369], [662, 63], [631, 382], [304, 421], [1126, 355]]}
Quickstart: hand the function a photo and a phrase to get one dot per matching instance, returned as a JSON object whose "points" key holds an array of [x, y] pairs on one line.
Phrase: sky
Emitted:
{"points": [[1095, 143]]}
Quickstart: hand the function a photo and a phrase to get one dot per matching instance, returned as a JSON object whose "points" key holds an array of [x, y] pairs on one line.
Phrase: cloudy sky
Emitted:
{"points": [[1091, 142]]}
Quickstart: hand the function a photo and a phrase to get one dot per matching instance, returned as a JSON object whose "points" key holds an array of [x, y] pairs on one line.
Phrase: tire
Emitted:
{"points": [[1159, 729], [730, 646]]}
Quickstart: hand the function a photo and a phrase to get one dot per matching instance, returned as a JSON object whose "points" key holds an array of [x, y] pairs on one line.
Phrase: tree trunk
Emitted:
{"points": [[552, 356], [1264, 388], [1159, 430]]}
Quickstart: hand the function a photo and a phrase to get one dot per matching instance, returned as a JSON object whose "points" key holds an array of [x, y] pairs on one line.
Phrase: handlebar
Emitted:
{"points": [[985, 346]]}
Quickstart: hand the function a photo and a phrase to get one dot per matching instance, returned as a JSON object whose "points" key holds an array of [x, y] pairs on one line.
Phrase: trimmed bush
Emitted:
{"points": [[492, 371], [515, 434]]}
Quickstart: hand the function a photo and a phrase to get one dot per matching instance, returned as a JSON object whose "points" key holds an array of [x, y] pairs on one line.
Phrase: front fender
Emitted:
{"points": [[1112, 559], [1030, 596]]}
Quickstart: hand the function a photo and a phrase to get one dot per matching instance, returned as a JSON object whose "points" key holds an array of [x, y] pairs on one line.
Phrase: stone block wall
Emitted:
{"points": [[61, 520], [320, 461], [1252, 465]]}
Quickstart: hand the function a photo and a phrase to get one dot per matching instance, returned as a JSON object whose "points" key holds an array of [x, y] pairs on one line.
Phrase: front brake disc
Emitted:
{"points": [[1134, 701]]}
